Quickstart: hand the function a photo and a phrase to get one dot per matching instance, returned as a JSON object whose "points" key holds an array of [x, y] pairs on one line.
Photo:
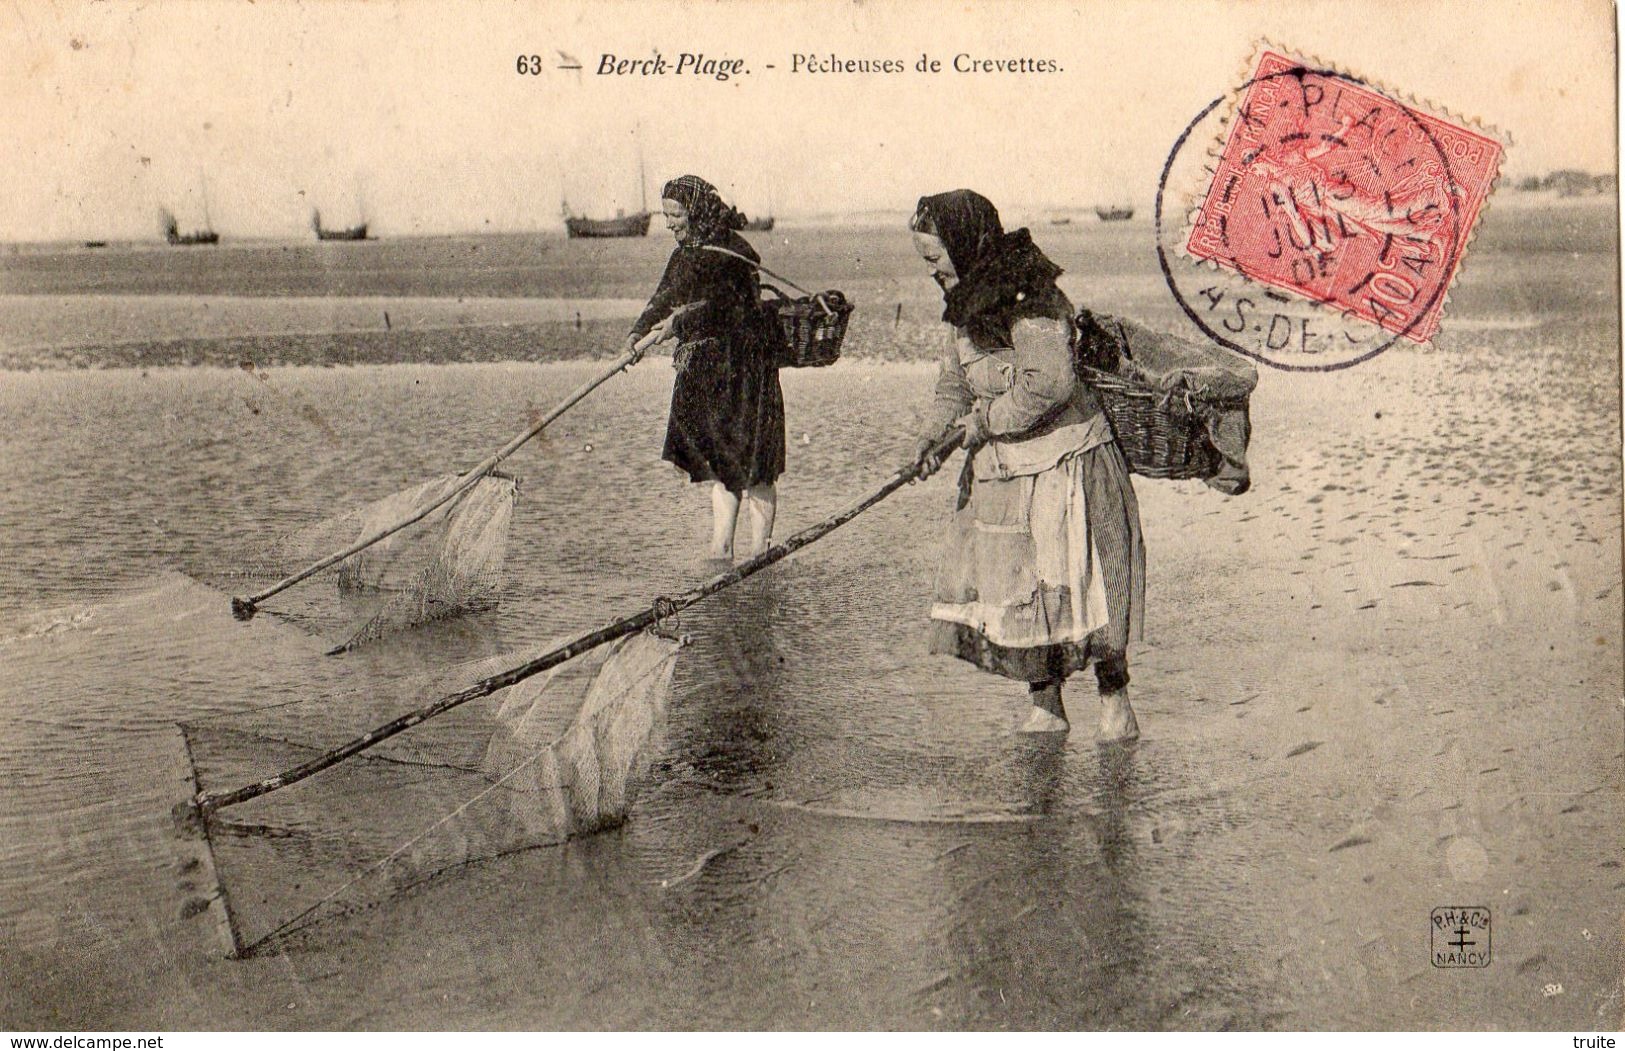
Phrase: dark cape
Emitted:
{"points": [[727, 409]]}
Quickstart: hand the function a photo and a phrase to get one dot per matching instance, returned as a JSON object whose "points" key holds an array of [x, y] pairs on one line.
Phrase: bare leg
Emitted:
{"points": [[761, 504], [724, 516], [1048, 714]]}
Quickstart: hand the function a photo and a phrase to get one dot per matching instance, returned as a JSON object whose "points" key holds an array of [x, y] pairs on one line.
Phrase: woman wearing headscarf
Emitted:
{"points": [[1044, 567], [726, 427]]}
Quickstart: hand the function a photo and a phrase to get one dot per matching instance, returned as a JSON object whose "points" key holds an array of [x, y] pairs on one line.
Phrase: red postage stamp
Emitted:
{"points": [[1330, 189]]}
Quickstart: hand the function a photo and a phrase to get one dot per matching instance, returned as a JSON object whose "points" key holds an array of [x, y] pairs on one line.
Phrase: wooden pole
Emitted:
{"points": [[199, 849], [244, 608], [205, 803]]}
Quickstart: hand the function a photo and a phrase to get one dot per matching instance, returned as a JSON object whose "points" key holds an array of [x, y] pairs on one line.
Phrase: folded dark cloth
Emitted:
{"points": [[1213, 381], [1229, 430]]}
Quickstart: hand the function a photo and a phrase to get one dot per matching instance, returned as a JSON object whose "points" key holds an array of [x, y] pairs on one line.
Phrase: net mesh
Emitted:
{"points": [[446, 564], [551, 757]]}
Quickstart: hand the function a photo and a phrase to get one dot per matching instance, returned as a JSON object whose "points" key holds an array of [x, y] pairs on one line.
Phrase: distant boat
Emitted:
{"points": [[358, 232], [203, 235], [762, 223], [172, 233], [620, 226], [623, 225], [1061, 220], [1115, 213], [95, 244], [343, 233]]}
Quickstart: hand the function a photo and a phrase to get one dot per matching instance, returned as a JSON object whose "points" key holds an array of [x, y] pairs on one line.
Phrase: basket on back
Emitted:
{"points": [[814, 327], [1179, 409]]}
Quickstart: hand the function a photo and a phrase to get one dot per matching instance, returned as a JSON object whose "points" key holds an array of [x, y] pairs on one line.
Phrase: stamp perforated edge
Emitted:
{"points": [[1191, 197]]}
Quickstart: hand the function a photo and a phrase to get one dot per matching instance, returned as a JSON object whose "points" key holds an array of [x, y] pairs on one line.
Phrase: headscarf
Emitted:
{"points": [[709, 218], [994, 268], [964, 220]]}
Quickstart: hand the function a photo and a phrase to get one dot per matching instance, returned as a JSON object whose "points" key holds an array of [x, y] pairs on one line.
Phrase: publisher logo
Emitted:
{"points": [[1461, 936]]}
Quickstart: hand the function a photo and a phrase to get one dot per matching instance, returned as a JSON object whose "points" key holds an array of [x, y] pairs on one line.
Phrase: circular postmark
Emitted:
{"points": [[1320, 221]]}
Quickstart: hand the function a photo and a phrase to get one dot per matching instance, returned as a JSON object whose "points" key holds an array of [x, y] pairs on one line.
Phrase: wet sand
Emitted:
{"points": [[1384, 681], [43, 322]]}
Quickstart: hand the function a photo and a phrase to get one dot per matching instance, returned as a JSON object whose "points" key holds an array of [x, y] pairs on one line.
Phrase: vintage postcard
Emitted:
{"points": [[886, 515]]}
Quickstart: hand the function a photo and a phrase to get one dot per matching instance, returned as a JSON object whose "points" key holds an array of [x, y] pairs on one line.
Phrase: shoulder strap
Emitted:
{"points": [[759, 266]]}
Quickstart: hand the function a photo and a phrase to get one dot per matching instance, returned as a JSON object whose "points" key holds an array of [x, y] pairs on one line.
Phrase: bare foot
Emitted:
{"points": [[1117, 722], [1040, 721], [1048, 714]]}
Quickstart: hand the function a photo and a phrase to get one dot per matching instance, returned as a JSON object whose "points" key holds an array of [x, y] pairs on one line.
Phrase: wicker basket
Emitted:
{"points": [[1163, 434], [814, 327]]}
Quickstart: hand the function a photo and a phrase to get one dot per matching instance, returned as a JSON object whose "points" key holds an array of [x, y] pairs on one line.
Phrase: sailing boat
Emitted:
{"points": [[204, 235], [357, 232], [623, 225], [343, 233], [762, 223]]}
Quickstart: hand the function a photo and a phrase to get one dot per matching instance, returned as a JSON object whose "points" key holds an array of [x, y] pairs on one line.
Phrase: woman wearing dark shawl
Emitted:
{"points": [[726, 426], [1044, 568]]}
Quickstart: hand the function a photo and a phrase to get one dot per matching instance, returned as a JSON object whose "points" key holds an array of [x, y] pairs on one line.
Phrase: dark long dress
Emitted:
{"points": [[727, 410]]}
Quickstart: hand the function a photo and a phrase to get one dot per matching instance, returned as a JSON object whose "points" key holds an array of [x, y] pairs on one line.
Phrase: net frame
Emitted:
{"points": [[195, 816], [384, 528], [447, 563], [543, 761]]}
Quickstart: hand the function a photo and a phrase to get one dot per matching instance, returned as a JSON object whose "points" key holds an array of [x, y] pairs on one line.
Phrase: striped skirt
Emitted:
{"points": [[1044, 573]]}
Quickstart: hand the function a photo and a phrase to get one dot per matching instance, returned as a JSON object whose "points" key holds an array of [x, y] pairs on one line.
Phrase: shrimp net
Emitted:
{"points": [[558, 755], [446, 564]]}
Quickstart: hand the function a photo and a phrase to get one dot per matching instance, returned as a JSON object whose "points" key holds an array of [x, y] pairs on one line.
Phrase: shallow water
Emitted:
{"points": [[1371, 687], [877, 849]]}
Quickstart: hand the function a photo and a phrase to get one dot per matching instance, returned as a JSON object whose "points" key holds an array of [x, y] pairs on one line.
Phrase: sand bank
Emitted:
{"points": [[31, 323]]}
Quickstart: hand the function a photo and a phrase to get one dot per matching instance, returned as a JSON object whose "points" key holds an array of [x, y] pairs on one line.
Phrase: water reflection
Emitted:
{"points": [[996, 887], [727, 721], [839, 830]]}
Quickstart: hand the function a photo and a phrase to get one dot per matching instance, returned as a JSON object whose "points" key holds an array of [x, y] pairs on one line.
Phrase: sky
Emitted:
{"points": [[416, 113]]}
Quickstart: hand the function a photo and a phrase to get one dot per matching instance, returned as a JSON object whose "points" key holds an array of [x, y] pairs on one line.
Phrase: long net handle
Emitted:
{"points": [[206, 802], [243, 608], [759, 266]]}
